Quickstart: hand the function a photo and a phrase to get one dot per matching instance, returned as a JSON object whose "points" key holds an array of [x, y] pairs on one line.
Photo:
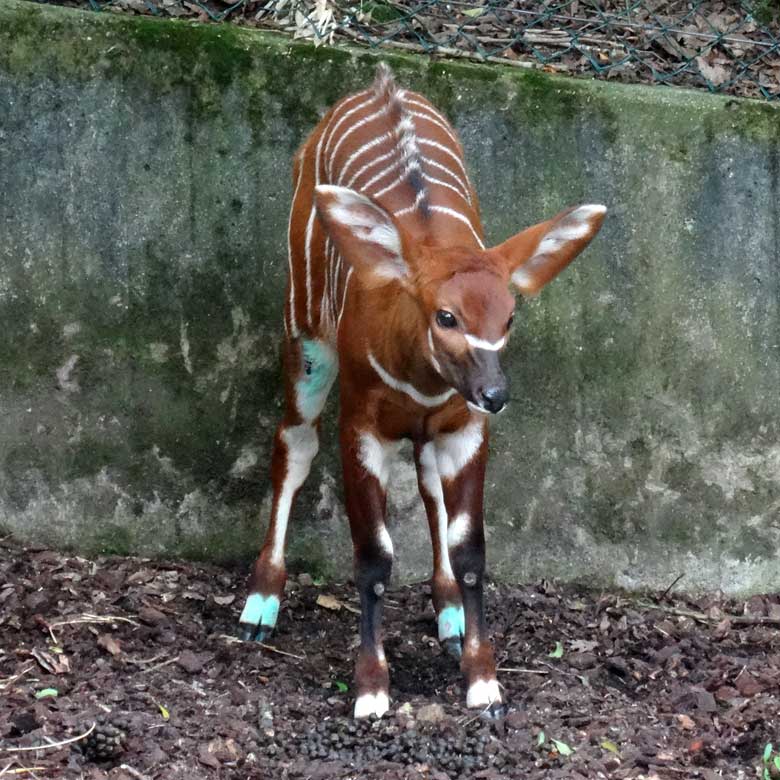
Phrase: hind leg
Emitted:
{"points": [[310, 368]]}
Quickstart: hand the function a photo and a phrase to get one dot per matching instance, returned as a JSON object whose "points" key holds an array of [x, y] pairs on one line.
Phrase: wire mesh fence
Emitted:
{"points": [[727, 47]]}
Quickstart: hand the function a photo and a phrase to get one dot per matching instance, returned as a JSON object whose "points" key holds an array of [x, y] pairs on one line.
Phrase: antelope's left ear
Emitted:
{"points": [[539, 253]]}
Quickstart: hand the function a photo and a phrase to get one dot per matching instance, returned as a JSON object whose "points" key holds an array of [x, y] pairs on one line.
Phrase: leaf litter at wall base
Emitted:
{"points": [[712, 44], [640, 691]]}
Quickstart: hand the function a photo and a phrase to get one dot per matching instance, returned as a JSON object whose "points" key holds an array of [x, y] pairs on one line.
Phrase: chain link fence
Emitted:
{"points": [[727, 47]]}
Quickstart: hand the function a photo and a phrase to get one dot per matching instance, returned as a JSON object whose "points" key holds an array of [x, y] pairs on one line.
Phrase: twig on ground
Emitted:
{"points": [[22, 770], [676, 580], [146, 661], [51, 745], [134, 772], [160, 665], [511, 670], [741, 620], [160, 608], [9, 680], [87, 619], [273, 649], [580, 677], [270, 648]]}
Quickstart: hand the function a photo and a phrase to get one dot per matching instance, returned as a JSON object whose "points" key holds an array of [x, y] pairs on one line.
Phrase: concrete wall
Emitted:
{"points": [[144, 180]]}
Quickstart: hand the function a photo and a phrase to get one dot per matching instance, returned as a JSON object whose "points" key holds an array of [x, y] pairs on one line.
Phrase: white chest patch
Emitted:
{"points": [[456, 450], [376, 456]]}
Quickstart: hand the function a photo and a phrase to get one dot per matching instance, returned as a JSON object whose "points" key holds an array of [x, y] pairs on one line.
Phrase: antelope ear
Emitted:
{"points": [[539, 253], [363, 232]]}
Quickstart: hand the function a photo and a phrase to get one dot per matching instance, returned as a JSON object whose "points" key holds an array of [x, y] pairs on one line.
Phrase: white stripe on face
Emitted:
{"points": [[478, 343]]}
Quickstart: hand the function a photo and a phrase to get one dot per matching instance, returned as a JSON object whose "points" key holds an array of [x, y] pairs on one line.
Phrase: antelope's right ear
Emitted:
{"points": [[364, 234], [539, 253]]}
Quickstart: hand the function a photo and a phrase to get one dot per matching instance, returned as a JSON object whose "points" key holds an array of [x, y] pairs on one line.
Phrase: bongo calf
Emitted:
{"points": [[392, 289]]}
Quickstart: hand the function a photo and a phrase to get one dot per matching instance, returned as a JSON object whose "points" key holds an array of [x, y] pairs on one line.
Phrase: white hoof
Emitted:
{"points": [[372, 704], [483, 693]]}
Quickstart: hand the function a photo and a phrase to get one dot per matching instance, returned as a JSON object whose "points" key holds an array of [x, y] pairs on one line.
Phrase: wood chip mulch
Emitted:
{"points": [[141, 655]]}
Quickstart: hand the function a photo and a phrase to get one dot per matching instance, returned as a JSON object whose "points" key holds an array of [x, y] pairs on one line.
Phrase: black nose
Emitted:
{"points": [[494, 398]]}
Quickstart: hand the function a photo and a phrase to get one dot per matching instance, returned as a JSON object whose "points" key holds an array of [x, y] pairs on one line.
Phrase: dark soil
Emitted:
{"points": [[599, 685]]}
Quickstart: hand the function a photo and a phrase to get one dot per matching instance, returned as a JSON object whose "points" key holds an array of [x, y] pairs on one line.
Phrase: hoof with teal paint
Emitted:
{"points": [[452, 627], [258, 619]]}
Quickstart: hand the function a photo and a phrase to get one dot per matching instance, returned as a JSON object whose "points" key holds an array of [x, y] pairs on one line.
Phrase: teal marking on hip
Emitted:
{"points": [[260, 610], [320, 367], [452, 622]]}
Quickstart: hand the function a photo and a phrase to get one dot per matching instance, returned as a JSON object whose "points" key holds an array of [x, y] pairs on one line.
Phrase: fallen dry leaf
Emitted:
{"points": [[722, 630], [207, 758], [54, 665], [109, 644], [714, 73], [747, 685], [328, 602], [686, 722]]}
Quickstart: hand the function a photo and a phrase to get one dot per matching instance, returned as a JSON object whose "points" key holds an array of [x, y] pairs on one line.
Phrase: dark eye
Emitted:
{"points": [[445, 319], [511, 320]]}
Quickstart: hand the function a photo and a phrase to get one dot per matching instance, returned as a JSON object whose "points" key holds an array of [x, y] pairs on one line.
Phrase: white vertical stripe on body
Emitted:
{"points": [[460, 217], [344, 117], [293, 321], [354, 128], [464, 188], [372, 163], [360, 151], [446, 150], [344, 298]]}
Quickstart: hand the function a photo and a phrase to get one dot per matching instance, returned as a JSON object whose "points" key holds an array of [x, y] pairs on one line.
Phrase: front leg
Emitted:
{"points": [[365, 459], [445, 593], [461, 458]]}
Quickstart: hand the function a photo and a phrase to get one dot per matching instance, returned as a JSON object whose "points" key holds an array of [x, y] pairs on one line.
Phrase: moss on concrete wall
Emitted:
{"points": [[145, 171]]}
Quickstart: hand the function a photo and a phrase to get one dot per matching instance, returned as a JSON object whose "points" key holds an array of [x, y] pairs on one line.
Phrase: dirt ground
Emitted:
{"points": [[600, 685]]}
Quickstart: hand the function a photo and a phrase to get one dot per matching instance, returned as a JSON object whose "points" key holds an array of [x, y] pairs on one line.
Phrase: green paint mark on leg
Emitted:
{"points": [[260, 610], [452, 623], [319, 369]]}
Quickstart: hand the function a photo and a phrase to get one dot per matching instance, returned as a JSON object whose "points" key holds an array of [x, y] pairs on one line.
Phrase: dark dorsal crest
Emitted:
{"points": [[402, 123]]}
